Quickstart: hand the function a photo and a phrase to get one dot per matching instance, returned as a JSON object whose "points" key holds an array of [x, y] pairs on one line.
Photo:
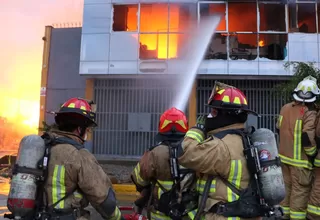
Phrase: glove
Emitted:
{"points": [[201, 120]]}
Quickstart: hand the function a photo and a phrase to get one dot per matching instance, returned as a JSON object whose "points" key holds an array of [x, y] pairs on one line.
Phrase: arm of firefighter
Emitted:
{"points": [[279, 122], [144, 171], [209, 156], [97, 187], [308, 139]]}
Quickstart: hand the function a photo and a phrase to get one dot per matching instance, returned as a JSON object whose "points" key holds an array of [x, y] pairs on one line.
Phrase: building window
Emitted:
{"points": [[243, 46], [125, 18], [268, 20], [273, 46], [302, 17], [242, 17], [217, 48], [153, 31], [153, 46], [181, 18], [154, 18], [163, 29]]}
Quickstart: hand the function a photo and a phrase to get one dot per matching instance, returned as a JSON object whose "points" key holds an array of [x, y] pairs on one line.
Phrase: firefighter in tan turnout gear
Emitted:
{"points": [[160, 179], [313, 210], [221, 154], [75, 178], [296, 124]]}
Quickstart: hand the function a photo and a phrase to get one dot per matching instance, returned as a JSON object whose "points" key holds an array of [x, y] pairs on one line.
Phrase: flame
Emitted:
{"points": [[261, 43]]}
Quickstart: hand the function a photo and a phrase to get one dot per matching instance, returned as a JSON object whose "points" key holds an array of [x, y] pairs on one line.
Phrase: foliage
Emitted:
{"points": [[300, 70]]}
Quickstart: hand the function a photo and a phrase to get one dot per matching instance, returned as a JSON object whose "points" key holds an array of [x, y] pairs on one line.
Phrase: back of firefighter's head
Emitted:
{"points": [[306, 91], [76, 115], [173, 124], [228, 106]]}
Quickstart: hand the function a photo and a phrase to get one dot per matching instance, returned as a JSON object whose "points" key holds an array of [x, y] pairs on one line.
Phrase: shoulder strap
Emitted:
{"points": [[222, 134]]}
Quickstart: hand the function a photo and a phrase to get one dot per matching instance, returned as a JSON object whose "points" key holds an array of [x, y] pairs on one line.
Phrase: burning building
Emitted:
{"points": [[121, 54]]}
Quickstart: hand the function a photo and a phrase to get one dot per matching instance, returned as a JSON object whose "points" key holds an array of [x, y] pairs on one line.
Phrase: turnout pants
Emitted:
{"points": [[298, 183], [314, 201]]}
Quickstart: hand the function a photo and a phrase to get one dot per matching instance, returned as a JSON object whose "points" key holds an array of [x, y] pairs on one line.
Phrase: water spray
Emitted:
{"points": [[187, 68]]}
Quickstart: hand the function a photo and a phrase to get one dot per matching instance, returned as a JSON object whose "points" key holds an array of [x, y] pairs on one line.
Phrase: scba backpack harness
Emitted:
{"points": [[251, 203], [42, 211], [174, 202]]}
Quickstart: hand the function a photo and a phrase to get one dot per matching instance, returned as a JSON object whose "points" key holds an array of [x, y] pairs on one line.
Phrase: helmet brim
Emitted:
{"points": [[297, 98], [249, 111], [69, 117]]}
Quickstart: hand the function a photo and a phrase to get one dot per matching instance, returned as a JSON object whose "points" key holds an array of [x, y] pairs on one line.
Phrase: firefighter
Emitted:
{"points": [[313, 210], [221, 158], [75, 178], [153, 176], [296, 124]]}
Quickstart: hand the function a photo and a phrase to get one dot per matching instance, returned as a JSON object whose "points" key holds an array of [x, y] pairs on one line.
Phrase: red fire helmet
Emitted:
{"points": [[173, 121]]}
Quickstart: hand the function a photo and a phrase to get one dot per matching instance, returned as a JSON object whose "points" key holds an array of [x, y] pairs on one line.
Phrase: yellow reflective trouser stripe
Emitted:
{"points": [[316, 162], [314, 210], [195, 135], [280, 120], [77, 195], [165, 184], [116, 214], [235, 178], [9, 160], [159, 216], [297, 140], [201, 183], [286, 210], [310, 150], [233, 218], [192, 214], [58, 186], [139, 179], [297, 215], [296, 163]]}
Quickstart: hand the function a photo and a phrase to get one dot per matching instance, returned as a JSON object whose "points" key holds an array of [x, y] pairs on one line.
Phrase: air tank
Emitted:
{"points": [[270, 177], [22, 196]]}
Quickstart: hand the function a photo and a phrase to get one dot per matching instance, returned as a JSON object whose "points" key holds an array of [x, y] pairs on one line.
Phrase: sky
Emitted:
{"points": [[23, 24]]}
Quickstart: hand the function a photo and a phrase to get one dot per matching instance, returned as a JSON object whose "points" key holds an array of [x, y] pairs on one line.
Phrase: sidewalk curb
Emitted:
{"points": [[125, 188]]}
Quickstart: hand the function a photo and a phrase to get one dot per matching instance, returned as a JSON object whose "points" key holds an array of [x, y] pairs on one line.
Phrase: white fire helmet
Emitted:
{"points": [[307, 90]]}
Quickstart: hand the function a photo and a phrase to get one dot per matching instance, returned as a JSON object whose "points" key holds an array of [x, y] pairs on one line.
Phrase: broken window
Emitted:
{"points": [[153, 46], [125, 18], [242, 17], [217, 48], [302, 17], [268, 20], [215, 9], [243, 46], [181, 16], [154, 17], [273, 46]]}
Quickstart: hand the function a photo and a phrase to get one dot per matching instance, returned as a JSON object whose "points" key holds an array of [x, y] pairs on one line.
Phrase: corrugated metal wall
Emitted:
{"points": [[128, 112], [260, 94]]}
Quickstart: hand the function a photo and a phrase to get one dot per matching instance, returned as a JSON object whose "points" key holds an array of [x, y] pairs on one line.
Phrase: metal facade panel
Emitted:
{"points": [[117, 101], [260, 96]]}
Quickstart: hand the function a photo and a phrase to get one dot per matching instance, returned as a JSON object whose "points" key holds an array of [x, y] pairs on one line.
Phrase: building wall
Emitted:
{"points": [[124, 37], [64, 80]]}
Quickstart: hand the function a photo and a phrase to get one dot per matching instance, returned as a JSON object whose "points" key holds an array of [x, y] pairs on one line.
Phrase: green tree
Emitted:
{"points": [[300, 71]]}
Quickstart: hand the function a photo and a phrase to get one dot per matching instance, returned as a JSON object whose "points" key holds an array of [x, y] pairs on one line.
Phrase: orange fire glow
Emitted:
{"points": [[261, 43], [158, 43]]}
